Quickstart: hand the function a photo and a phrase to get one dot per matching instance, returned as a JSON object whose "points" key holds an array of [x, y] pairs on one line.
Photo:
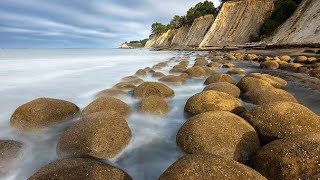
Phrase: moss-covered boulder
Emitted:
{"points": [[224, 87], [208, 167], [212, 101], [294, 157], [79, 168], [278, 120], [106, 104], [214, 133], [42, 113], [152, 88], [214, 78], [99, 135], [154, 105]]}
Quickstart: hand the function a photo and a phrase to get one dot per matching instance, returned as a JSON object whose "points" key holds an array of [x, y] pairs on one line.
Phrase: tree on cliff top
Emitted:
{"points": [[157, 28], [200, 9]]}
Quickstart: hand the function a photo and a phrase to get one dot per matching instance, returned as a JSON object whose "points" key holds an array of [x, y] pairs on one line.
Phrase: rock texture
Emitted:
{"points": [[303, 27], [237, 21], [9, 154], [179, 39]]}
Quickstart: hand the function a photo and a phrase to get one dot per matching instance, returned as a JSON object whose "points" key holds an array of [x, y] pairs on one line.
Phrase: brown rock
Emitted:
{"points": [[171, 79], [300, 59], [315, 73], [214, 64], [124, 86], [111, 93], [106, 104], [184, 75], [42, 113], [228, 65], [141, 73], [236, 71], [312, 60], [152, 88], [281, 119], [213, 133], [224, 87], [179, 66], [251, 57], [129, 78], [158, 74], [208, 167], [154, 105], [79, 168], [285, 58], [251, 83], [212, 101], [274, 81], [269, 65], [201, 62], [9, 154], [196, 72], [219, 78], [291, 66], [101, 135], [177, 70], [294, 157]]}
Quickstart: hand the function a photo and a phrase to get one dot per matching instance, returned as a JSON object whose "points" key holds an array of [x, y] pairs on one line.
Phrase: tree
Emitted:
{"points": [[157, 28], [176, 22], [200, 9]]}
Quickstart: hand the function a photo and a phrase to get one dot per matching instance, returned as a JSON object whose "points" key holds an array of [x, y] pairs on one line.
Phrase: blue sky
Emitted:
{"points": [[82, 23]]}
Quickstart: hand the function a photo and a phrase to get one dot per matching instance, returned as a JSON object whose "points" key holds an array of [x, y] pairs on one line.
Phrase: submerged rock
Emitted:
{"points": [[79, 168], [219, 78], [9, 154], [269, 65], [197, 72], [208, 167], [101, 135], [295, 157], [141, 73], [158, 74], [236, 71], [177, 70], [110, 93], [224, 87], [154, 105], [107, 104], [282, 119], [42, 113], [285, 58], [124, 86], [214, 132], [152, 88], [170, 79], [212, 101]]}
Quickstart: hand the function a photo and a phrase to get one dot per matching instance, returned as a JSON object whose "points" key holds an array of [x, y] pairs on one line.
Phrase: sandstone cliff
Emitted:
{"points": [[237, 21], [152, 40], [180, 37], [303, 27], [165, 39]]}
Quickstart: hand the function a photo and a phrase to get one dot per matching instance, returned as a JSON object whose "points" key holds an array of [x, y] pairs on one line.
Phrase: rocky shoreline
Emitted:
{"points": [[243, 125]]}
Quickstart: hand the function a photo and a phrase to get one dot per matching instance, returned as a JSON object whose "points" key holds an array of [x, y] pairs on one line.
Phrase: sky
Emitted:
{"points": [[83, 23]]}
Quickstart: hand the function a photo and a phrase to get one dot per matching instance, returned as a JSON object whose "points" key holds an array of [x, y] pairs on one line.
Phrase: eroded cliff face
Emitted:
{"points": [[165, 39], [180, 37], [237, 21], [303, 27], [152, 40], [198, 30]]}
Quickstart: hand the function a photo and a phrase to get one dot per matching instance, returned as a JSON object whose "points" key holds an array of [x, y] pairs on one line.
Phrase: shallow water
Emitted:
{"points": [[76, 76]]}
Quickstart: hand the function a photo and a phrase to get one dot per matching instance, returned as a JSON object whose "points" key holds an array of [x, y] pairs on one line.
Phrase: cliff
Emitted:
{"points": [[165, 39], [237, 21], [130, 45], [152, 40], [180, 37], [303, 27]]}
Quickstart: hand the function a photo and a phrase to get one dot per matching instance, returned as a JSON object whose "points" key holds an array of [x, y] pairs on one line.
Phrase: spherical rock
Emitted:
{"points": [[251, 57], [294, 157], [285, 58], [9, 154], [236, 71], [129, 78], [124, 86], [274, 81], [228, 65], [312, 60], [42, 113], [158, 74], [197, 72], [175, 80], [214, 64], [141, 73], [179, 66], [152, 88], [219, 78], [177, 70], [300, 59], [154, 105], [269, 65], [208, 167], [224, 87], [213, 133], [201, 62], [111, 93], [106, 104], [268, 95], [212, 101], [79, 168], [231, 57], [278, 120], [100, 135], [184, 63], [291, 66], [184, 75]]}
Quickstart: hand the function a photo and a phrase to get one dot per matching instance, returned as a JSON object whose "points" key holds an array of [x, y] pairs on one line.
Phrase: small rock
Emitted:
{"points": [[219, 78], [111, 93], [236, 71], [152, 88], [300, 59], [158, 74], [224, 87], [141, 73], [124, 86], [154, 105], [171, 79], [269, 65]]}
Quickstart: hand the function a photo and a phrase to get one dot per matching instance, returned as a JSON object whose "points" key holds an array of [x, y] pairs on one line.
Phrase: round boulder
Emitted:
{"points": [[224, 87], [152, 88], [141, 73], [219, 78], [214, 64], [251, 83], [171, 79], [315, 73], [294, 157], [213, 133], [110, 93], [184, 75], [158, 74], [9, 154], [100, 135], [177, 70], [154, 105], [196, 72], [79, 168], [208, 167], [129, 78], [274, 81], [201, 62], [300, 59], [236, 71], [42, 113], [285, 58], [212, 101], [124, 86], [291, 66], [278, 120], [268, 95], [107, 104], [269, 65], [228, 65]]}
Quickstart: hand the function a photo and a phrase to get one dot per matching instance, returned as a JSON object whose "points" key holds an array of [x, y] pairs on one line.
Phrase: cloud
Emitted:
{"points": [[101, 22]]}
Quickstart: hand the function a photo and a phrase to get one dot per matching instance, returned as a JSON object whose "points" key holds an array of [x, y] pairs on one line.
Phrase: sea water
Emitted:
{"points": [[77, 75]]}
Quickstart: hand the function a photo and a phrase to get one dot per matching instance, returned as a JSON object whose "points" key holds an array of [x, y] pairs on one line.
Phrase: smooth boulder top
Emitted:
{"points": [[79, 168], [294, 157], [282, 119], [154, 105], [268, 95], [212, 101], [236, 71], [219, 78], [100, 135], [251, 83], [158, 74], [42, 113], [220, 133], [124, 86], [197, 72], [209, 167], [152, 88], [269, 65], [171, 79], [106, 104], [9, 153], [274, 81], [224, 87], [141, 73], [111, 93]]}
